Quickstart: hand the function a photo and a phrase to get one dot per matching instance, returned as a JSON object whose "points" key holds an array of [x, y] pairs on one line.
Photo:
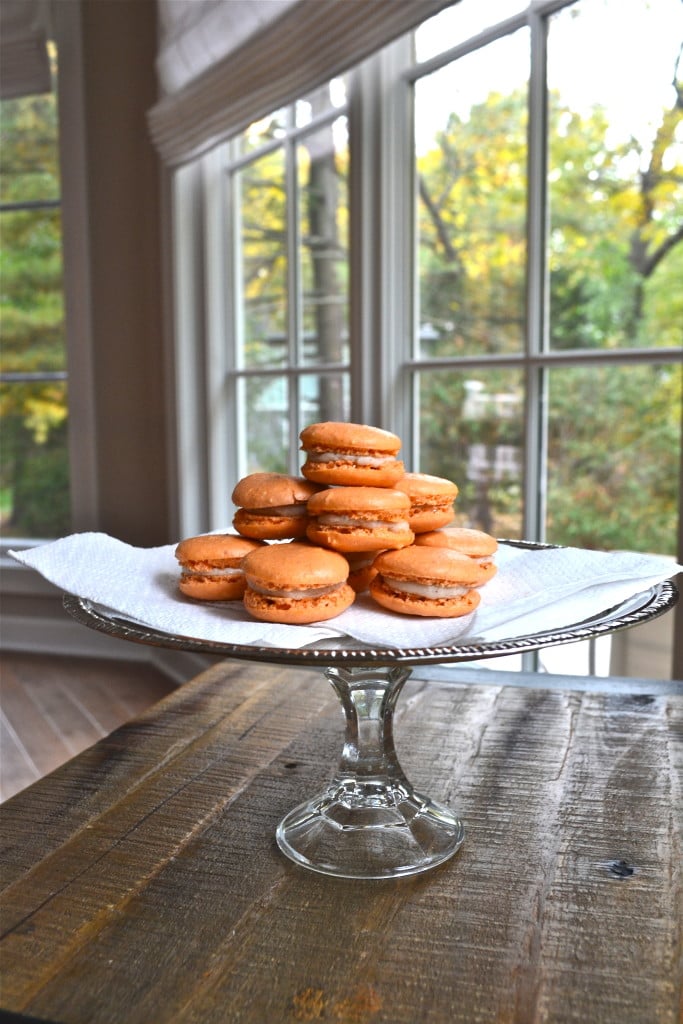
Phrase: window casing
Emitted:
{"points": [[389, 367]]}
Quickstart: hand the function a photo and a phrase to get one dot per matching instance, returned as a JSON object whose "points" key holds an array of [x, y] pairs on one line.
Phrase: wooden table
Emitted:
{"points": [[142, 882]]}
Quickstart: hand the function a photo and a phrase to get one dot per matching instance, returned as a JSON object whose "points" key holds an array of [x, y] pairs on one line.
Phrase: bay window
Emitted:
{"points": [[471, 238]]}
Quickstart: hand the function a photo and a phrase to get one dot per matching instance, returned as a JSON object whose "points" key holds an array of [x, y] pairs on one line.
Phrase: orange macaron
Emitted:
{"points": [[426, 581], [211, 566], [351, 455], [272, 506], [431, 500], [361, 569], [477, 545], [359, 519], [296, 583]]}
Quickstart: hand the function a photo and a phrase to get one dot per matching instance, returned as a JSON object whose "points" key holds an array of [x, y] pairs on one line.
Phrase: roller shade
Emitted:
{"points": [[225, 63], [24, 62]]}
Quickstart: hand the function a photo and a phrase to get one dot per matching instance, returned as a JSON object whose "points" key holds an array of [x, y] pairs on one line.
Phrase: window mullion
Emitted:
{"points": [[382, 238], [220, 411], [190, 394], [294, 285], [535, 447], [235, 440]]}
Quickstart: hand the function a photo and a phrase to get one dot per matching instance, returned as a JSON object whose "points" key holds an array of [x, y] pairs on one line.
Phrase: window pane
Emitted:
{"points": [[471, 430], [267, 411], [263, 261], [465, 19], [34, 477], [324, 208], [275, 126], [263, 132], [331, 96], [34, 466], [615, 175], [471, 122], [29, 168], [271, 402], [323, 397], [614, 457], [32, 301]]}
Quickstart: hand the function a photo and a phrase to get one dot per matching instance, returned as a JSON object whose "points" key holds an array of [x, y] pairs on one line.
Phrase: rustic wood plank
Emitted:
{"points": [[156, 891]]}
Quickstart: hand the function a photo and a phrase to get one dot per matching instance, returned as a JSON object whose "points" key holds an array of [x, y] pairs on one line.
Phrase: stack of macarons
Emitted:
{"points": [[355, 521]]}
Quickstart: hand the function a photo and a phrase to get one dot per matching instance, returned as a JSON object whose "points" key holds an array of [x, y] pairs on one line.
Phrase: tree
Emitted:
{"points": [[321, 233], [615, 254], [34, 468]]}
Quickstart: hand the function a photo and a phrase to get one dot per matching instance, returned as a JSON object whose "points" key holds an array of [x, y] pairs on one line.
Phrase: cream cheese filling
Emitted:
{"points": [[358, 460], [209, 571], [278, 510], [330, 519], [433, 591], [295, 595]]}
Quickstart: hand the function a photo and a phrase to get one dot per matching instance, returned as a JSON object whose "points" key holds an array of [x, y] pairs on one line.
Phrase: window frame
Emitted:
{"points": [[83, 471]]}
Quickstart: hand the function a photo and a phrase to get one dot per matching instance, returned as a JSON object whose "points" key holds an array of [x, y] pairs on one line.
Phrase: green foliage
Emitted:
{"points": [[34, 465], [615, 267], [613, 457]]}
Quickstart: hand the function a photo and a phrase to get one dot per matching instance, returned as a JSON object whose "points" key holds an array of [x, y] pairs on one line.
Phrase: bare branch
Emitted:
{"points": [[442, 233]]}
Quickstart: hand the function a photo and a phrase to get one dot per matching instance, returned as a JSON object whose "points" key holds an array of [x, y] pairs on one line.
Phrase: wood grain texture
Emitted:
{"points": [[143, 883], [53, 708]]}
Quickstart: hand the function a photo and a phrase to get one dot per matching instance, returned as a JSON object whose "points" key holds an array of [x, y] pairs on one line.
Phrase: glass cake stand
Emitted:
{"points": [[368, 821]]}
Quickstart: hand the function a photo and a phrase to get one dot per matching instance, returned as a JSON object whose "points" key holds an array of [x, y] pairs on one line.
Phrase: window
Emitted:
{"points": [[287, 201], [549, 229], [489, 268], [34, 476]]}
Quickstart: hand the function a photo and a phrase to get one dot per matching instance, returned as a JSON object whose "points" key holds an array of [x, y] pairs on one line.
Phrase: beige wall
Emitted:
{"points": [[122, 176]]}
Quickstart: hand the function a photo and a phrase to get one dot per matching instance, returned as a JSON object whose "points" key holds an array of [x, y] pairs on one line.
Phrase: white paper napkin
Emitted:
{"points": [[533, 590]]}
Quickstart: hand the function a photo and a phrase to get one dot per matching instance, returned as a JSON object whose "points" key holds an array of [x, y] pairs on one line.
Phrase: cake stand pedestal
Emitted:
{"points": [[369, 822]]}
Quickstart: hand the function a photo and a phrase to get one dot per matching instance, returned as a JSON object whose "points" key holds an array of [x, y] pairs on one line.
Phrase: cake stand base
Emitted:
{"points": [[369, 822], [385, 835]]}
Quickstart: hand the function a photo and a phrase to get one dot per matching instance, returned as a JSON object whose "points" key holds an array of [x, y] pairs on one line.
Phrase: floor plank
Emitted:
{"points": [[53, 708]]}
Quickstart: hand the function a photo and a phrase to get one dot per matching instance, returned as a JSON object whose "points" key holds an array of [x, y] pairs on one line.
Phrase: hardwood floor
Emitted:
{"points": [[53, 708]]}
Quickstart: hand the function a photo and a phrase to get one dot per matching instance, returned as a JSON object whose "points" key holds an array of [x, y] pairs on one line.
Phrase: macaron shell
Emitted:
{"points": [[361, 569], [361, 499], [360, 579], [474, 543], [302, 611], [264, 490], [204, 588], [429, 565], [258, 526], [219, 549], [359, 437], [295, 566], [408, 604], [424, 520], [423, 486], [431, 500], [349, 474], [360, 538]]}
